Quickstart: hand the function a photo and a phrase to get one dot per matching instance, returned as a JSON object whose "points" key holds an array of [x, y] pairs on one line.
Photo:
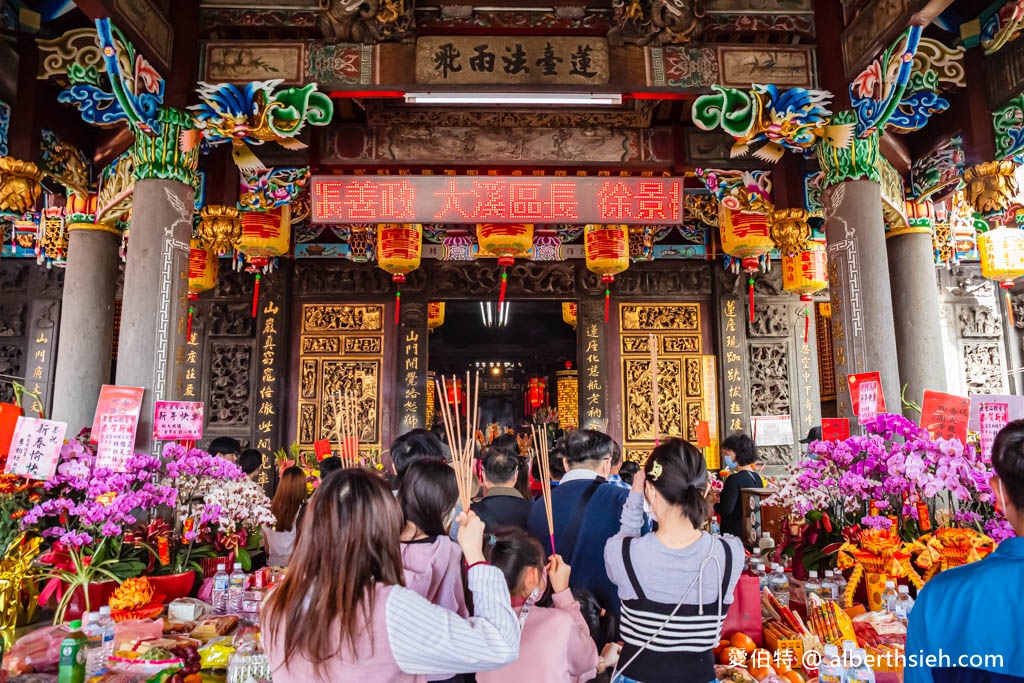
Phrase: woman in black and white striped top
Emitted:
{"points": [[675, 585]]}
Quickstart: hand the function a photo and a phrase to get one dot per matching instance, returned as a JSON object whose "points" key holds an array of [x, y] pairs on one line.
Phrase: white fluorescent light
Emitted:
{"points": [[582, 98]]}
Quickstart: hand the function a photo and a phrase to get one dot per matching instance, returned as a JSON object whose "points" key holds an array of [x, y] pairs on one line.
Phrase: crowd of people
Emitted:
{"points": [[392, 581]]}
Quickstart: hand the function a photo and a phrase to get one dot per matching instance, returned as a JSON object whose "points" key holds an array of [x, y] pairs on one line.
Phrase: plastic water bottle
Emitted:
{"points": [[766, 544], [860, 672], [831, 669], [236, 588], [219, 596], [761, 574], [904, 603], [94, 661], [889, 597], [716, 527], [840, 584], [754, 559], [778, 584], [829, 589], [108, 626], [811, 586]]}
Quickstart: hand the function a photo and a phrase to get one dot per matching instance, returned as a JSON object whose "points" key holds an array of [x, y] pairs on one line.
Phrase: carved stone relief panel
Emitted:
{"points": [[983, 367], [11, 365], [769, 379], [770, 320], [12, 320], [978, 320], [29, 322], [230, 382], [231, 319]]}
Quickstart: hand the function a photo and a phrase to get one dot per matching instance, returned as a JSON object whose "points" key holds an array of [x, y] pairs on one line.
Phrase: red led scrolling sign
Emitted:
{"points": [[494, 199]]}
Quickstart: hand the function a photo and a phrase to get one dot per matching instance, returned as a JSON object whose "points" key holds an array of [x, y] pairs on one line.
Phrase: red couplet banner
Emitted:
{"points": [[494, 199]]}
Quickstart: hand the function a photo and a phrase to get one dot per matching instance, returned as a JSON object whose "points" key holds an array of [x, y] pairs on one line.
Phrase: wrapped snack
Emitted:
{"points": [[127, 633], [38, 651], [14, 569], [208, 629], [216, 653]]}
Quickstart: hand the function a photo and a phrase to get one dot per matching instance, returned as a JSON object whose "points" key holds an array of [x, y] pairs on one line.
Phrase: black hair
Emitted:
{"points": [[329, 465], [555, 455], [427, 494], [1008, 461], [616, 454], [506, 443], [224, 445], [418, 444], [677, 470], [513, 552], [628, 469], [250, 460], [499, 467], [588, 445], [743, 446]]}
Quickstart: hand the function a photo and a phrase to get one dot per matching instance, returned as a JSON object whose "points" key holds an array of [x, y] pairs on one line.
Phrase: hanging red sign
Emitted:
{"points": [[490, 199], [945, 416]]}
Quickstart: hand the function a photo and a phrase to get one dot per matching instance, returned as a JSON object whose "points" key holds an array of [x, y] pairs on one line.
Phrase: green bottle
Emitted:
{"points": [[72, 655]]}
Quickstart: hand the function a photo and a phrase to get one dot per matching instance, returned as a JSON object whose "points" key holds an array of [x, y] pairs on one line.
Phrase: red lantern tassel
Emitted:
{"points": [[750, 282], [192, 296], [807, 324], [256, 295], [398, 304], [1009, 302], [504, 286], [607, 280]]}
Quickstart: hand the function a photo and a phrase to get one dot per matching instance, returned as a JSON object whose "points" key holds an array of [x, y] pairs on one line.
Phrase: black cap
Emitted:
{"points": [[813, 435]]}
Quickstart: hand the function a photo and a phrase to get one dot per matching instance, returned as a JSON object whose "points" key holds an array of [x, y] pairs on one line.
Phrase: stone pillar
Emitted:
{"points": [[594, 359], [915, 305], [411, 394], [87, 322], [862, 313], [154, 308]]}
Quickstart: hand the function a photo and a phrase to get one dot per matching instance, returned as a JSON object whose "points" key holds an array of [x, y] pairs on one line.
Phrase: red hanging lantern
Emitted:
{"points": [[456, 396], [746, 235], [507, 242], [202, 276], [537, 392], [265, 236], [806, 273], [607, 252], [399, 248]]}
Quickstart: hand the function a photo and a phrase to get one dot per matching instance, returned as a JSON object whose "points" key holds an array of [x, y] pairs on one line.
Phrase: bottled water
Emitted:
{"points": [[860, 672], [716, 527], [831, 669], [761, 574], [840, 584], [904, 603], [236, 588], [889, 597], [94, 662], [219, 596], [829, 588], [766, 544], [754, 559], [106, 623], [778, 584], [811, 587]]}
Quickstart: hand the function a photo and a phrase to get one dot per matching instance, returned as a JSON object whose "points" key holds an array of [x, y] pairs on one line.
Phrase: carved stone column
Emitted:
{"points": [[87, 323], [154, 313], [411, 396], [593, 343], [915, 305], [862, 313]]}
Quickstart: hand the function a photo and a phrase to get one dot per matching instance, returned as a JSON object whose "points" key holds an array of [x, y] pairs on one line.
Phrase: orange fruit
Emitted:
{"points": [[722, 644], [792, 676], [761, 672], [731, 655], [761, 658], [743, 641], [782, 666]]}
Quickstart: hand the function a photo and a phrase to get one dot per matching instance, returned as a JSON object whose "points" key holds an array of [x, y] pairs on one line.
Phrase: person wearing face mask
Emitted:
{"points": [[965, 624], [676, 583], [431, 561], [555, 644], [740, 456]]}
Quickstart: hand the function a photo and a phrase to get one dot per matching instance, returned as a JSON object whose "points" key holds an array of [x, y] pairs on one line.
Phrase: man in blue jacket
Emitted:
{"points": [[586, 511], [965, 626]]}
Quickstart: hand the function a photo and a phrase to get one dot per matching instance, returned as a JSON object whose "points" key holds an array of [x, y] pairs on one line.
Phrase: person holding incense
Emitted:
{"points": [[739, 452], [431, 562], [502, 504], [357, 621], [676, 583], [585, 511], [555, 645]]}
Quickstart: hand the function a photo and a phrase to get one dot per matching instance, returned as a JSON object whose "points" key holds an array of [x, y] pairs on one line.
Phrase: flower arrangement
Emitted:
{"points": [[895, 479]]}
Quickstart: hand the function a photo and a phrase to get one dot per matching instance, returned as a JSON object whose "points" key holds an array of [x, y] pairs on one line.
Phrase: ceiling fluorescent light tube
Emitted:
{"points": [[581, 98]]}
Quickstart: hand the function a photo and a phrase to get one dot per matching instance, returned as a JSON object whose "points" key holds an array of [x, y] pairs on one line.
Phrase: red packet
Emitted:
{"points": [[9, 414], [322, 448], [835, 429], [703, 434]]}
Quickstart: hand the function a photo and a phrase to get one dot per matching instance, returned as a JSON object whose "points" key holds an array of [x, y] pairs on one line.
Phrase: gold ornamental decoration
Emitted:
{"points": [[220, 228], [991, 186], [19, 185], [789, 230]]}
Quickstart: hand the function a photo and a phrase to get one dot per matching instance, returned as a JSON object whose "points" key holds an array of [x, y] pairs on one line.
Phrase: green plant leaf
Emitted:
{"points": [[243, 557]]}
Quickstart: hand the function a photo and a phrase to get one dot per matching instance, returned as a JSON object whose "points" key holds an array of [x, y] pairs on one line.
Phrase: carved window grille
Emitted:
{"points": [[826, 367]]}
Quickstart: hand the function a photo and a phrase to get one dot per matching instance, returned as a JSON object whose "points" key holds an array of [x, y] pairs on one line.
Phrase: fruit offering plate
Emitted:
{"points": [[150, 611]]}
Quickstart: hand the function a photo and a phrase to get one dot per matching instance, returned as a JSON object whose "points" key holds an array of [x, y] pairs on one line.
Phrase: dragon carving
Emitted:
{"points": [[655, 22], [367, 21]]}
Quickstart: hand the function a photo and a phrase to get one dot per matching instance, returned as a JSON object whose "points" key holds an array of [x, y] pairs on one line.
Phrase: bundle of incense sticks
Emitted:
{"points": [[652, 342], [461, 441], [346, 427], [540, 449]]}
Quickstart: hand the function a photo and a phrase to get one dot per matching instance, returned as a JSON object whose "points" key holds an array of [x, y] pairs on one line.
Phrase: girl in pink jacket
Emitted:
{"points": [[555, 644]]}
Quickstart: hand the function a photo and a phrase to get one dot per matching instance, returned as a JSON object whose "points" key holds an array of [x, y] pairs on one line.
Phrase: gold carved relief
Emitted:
{"points": [[352, 378], [654, 317], [342, 318], [694, 378], [363, 345], [689, 343], [307, 386], [639, 406], [324, 345]]}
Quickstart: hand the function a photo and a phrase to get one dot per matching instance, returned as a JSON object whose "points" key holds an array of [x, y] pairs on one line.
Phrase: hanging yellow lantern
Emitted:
{"points": [[265, 236], [435, 314], [508, 242], [607, 252], [1002, 259], [746, 235], [202, 275], [806, 273], [399, 247], [569, 313]]}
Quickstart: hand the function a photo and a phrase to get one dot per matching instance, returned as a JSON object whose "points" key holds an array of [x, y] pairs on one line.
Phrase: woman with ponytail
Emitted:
{"points": [[675, 584]]}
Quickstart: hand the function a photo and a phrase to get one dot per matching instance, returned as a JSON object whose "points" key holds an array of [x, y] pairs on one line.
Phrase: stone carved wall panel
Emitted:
{"points": [[983, 367], [978, 321], [230, 384], [11, 365], [231, 319], [12, 320], [30, 299], [769, 379], [770, 320]]}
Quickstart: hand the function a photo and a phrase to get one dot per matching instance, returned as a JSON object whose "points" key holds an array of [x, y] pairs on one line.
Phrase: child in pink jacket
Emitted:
{"points": [[555, 644]]}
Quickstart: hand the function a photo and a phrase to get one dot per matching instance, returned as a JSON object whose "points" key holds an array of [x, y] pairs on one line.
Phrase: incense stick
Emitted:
{"points": [[338, 428], [656, 413], [540, 447], [461, 443]]}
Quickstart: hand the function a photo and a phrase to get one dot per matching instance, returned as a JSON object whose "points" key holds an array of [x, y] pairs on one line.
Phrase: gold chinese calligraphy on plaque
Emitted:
{"points": [[342, 357], [686, 394]]}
